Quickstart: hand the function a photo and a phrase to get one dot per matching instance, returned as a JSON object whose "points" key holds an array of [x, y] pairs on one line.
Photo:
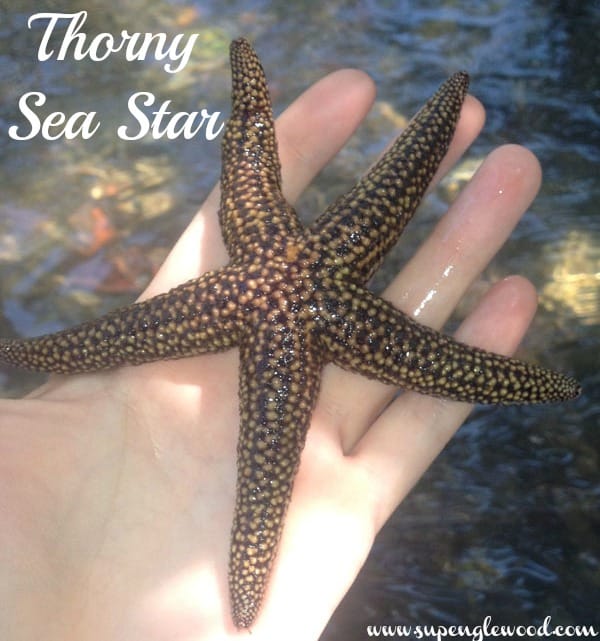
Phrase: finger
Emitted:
{"points": [[408, 436], [315, 127], [462, 244], [432, 283], [309, 132]]}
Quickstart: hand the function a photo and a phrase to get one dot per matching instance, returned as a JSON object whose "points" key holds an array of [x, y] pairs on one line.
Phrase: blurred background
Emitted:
{"points": [[506, 522]]}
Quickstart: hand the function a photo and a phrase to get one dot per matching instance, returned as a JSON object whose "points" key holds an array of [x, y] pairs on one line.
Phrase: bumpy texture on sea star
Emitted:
{"points": [[292, 299]]}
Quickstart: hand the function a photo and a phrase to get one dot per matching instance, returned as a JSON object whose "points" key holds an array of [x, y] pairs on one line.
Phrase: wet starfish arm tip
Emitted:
{"points": [[253, 213], [279, 382], [362, 225], [367, 335], [194, 318]]}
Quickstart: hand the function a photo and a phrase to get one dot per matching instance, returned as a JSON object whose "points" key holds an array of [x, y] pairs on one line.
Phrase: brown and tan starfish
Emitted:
{"points": [[292, 299]]}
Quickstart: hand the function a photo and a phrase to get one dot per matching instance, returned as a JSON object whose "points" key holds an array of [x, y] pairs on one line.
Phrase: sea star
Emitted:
{"points": [[293, 299]]}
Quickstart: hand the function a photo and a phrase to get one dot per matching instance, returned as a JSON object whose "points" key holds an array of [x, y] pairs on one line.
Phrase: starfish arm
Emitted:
{"points": [[368, 335], [253, 213], [193, 318], [363, 224], [279, 381]]}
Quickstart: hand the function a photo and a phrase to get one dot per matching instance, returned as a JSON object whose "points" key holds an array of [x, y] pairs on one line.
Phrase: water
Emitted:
{"points": [[505, 523]]}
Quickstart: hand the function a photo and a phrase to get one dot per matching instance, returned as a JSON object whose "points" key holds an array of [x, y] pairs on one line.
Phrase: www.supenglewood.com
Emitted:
{"points": [[487, 629]]}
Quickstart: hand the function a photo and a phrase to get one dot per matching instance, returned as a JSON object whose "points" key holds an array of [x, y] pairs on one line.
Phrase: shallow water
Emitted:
{"points": [[505, 523]]}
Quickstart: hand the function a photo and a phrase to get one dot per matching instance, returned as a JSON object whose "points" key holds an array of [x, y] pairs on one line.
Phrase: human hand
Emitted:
{"points": [[117, 488]]}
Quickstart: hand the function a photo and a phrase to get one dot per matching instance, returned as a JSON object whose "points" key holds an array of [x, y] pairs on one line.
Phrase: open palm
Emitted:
{"points": [[117, 488]]}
